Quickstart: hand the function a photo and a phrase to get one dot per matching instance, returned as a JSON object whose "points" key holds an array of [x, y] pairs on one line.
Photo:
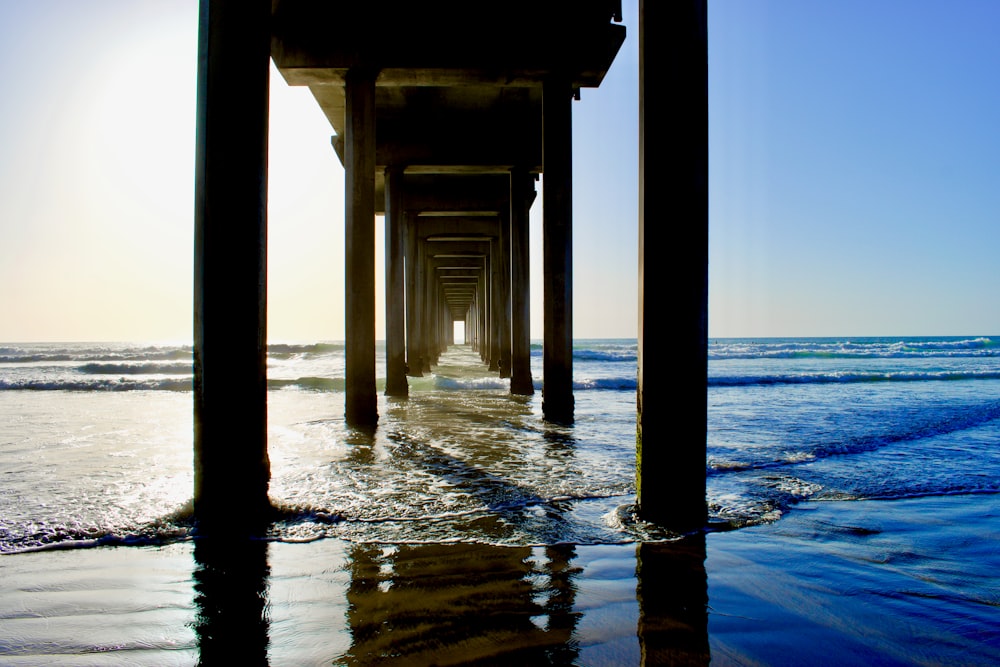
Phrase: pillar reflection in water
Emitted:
{"points": [[672, 589], [231, 582], [462, 604]]}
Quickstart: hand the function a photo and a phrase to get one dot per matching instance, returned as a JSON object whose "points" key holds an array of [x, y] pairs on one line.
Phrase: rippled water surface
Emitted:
{"points": [[95, 444]]}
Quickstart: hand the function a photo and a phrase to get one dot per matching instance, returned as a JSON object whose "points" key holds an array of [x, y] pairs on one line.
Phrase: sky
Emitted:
{"points": [[854, 176]]}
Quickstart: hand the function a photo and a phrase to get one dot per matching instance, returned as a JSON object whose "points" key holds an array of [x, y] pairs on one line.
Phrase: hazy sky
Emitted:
{"points": [[854, 175]]}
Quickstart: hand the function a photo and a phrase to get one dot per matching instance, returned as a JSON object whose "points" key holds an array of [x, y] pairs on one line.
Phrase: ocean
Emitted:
{"points": [[96, 458]]}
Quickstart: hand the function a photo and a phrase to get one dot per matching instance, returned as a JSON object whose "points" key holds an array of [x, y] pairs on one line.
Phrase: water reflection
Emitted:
{"points": [[672, 590], [462, 604], [459, 603], [471, 465], [558, 441], [360, 441], [231, 597]]}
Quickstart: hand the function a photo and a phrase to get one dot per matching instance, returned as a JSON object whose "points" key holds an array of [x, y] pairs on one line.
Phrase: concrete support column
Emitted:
{"points": [[432, 308], [483, 314], [673, 192], [474, 321], [441, 314], [495, 303], [487, 312], [444, 320], [435, 313], [414, 363], [359, 253], [505, 303], [231, 465], [424, 322], [520, 203], [557, 250], [470, 324], [395, 313]]}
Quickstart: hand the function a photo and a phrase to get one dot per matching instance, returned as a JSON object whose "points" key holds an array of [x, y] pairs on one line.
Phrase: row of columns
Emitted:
{"points": [[500, 316], [231, 465], [460, 271]]}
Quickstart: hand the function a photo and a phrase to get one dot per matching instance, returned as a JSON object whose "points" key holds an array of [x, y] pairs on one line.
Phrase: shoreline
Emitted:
{"points": [[901, 582]]}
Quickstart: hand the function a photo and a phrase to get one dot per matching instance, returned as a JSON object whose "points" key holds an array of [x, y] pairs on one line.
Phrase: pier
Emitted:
{"points": [[443, 115]]}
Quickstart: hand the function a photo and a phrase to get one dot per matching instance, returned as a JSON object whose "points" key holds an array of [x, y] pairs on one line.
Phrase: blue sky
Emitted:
{"points": [[854, 176], [855, 167]]}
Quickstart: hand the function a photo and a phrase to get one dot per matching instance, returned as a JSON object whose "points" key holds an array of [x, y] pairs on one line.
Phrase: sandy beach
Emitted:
{"points": [[905, 582]]}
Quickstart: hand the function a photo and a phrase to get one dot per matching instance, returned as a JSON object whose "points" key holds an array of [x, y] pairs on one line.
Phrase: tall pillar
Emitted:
{"points": [[487, 312], [414, 362], [444, 319], [435, 316], [505, 302], [395, 315], [359, 252], [474, 323], [557, 250], [670, 457], [483, 313], [495, 303], [231, 465], [424, 322], [471, 336], [520, 204], [430, 307]]}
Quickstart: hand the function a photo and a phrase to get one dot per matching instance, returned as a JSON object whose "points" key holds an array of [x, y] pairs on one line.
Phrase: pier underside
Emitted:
{"points": [[443, 114]]}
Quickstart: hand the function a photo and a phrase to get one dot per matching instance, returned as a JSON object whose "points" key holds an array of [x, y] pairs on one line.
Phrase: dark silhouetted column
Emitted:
{"points": [[414, 360], [505, 302], [231, 466], [395, 315], [486, 326], [557, 250], [426, 286], [493, 276], [424, 304], [482, 313], [359, 191], [473, 327], [521, 195], [673, 194]]}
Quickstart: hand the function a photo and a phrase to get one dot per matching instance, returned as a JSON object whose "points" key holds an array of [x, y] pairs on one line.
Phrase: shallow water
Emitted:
{"points": [[99, 447], [863, 478], [905, 582], [460, 459]]}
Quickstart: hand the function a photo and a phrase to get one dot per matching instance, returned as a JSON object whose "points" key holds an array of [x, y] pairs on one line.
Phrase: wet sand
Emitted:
{"points": [[907, 582]]}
